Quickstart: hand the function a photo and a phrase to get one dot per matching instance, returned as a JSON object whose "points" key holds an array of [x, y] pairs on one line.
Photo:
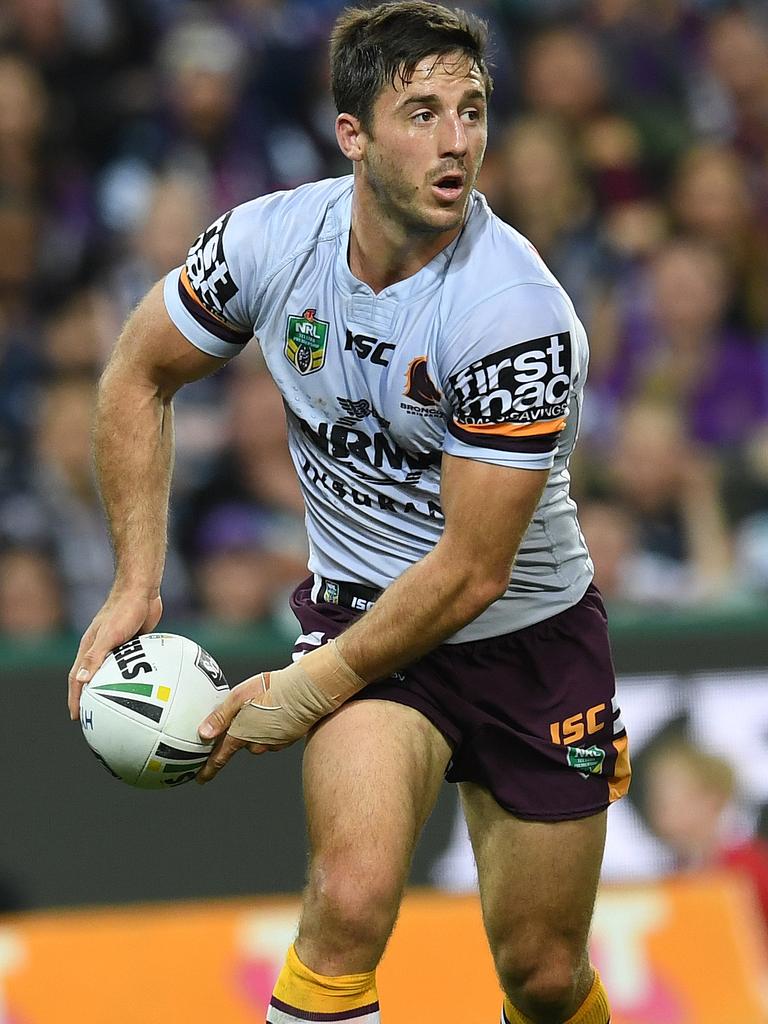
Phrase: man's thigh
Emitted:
{"points": [[538, 881], [372, 772]]}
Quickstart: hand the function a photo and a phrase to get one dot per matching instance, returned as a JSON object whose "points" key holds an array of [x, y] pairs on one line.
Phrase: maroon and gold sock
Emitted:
{"points": [[594, 1009], [302, 995]]}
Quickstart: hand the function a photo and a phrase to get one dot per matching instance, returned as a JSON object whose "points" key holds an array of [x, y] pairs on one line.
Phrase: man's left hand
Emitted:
{"points": [[272, 710], [254, 693]]}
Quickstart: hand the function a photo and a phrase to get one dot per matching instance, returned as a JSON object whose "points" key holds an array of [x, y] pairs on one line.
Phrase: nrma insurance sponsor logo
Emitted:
{"points": [[362, 452]]}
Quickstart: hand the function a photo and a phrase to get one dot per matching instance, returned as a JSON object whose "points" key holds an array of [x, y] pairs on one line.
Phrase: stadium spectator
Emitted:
{"points": [[738, 60], [692, 803], [61, 483], [204, 129], [59, 505], [77, 336], [712, 200], [172, 208], [538, 187], [674, 346], [31, 597], [23, 111], [249, 499], [646, 46], [20, 357], [236, 577], [672, 534], [564, 76], [625, 570], [175, 208]]}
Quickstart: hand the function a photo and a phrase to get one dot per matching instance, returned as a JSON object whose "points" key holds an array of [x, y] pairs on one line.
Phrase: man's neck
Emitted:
{"points": [[381, 253]]}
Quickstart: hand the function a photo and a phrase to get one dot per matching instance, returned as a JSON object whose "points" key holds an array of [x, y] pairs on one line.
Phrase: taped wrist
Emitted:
{"points": [[294, 698]]}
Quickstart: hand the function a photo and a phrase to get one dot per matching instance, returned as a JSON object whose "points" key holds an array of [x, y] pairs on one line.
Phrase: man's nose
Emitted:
{"points": [[453, 140]]}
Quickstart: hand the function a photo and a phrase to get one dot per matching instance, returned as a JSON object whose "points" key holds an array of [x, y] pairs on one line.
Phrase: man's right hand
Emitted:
{"points": [[124, 615]]}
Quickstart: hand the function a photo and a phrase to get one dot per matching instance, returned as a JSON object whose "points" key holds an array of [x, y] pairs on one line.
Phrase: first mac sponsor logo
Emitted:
{"points": [[207, 269], [524, 383]]}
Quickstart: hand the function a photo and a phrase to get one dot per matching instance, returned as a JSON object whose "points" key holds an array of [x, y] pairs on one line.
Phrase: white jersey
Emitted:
{"points": [[480, 354]]}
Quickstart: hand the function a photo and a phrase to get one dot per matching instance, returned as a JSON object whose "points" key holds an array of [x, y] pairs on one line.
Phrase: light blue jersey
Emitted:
{"points": [[480, 354]]}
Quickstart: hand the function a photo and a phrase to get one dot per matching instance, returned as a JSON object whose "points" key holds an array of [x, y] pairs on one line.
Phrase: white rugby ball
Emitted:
{"points": [[140, 712]]}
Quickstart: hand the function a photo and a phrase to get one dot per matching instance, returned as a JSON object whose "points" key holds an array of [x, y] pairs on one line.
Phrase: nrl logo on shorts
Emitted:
{"points": [[305, 341], [587, 760]]}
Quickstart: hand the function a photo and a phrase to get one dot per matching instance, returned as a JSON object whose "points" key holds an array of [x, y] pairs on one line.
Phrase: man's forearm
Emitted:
{"points": [[430, 601], [133, 449], [487, 511]]}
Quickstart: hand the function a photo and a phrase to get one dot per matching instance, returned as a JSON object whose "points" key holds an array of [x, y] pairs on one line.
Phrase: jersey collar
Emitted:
{"points": [[415, 286]]}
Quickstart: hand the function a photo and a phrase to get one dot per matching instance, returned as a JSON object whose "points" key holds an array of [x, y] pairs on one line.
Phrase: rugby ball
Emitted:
{"points": [[140, 712]]}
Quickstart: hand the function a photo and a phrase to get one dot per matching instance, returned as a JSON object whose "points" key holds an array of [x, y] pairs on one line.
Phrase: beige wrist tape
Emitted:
{"points": [[294, 698]]}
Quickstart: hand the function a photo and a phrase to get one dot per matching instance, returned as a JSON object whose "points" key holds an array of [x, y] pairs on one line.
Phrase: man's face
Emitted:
{"points": [[426, 143]]}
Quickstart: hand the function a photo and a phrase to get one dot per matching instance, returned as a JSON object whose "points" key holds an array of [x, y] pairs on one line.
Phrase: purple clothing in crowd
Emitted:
{"points": [[731, 401], [726, 404]]}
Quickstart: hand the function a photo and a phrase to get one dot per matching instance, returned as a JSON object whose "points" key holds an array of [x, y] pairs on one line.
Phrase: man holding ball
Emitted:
{"points": [[432, 371]]}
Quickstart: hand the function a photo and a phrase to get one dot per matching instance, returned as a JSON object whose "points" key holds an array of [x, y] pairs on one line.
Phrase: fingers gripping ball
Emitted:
{"points": [[294, 698], [140, 712]]}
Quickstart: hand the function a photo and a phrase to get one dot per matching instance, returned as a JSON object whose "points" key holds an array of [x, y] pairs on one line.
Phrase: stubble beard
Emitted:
{"points": [[403, 203]]}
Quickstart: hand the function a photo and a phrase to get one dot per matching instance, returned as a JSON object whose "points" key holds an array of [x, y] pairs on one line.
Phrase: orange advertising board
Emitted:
{"points": [[682, 952]]}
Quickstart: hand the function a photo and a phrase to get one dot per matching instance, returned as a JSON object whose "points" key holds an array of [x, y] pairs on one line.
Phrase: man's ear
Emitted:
{"points": [[351, 137]]}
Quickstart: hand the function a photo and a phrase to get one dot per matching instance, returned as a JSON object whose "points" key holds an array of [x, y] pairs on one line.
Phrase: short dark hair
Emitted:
{"points": [[374, 46]]}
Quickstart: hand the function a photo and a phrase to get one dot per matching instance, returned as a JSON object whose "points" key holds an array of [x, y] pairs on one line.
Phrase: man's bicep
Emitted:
{"points": [[487, 509], [152, 349]]}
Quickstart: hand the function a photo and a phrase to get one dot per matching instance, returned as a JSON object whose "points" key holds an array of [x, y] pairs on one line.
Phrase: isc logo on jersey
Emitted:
{"points": [[520, 384], [366, 347]]}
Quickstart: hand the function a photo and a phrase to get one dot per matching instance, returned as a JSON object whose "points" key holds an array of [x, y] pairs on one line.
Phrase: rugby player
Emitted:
{"points": [[432, 371]]}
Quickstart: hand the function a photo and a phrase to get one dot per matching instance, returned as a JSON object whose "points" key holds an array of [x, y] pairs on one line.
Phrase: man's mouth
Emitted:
{"points": [[449, 187]]}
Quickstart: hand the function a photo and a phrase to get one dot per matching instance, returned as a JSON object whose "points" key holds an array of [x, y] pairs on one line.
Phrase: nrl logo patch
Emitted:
{"points": [[305, 341], [587, 760]]}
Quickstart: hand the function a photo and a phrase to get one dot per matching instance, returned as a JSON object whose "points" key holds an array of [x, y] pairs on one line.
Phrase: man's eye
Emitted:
{"points": [[472, 114], [423, 116]]}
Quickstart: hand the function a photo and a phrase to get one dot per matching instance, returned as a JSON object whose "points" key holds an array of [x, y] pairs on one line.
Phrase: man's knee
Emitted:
{"points": [[542, 979], [346, 906]]}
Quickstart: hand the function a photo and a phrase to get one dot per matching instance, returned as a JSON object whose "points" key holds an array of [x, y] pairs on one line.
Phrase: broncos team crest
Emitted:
{"points": [[305, 342]]}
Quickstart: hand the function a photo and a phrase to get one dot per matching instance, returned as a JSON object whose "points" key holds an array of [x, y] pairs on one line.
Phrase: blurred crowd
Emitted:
{"points": [[629, 142]]}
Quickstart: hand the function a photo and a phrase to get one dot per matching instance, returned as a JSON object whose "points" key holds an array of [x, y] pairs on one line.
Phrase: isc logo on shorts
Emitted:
{"points": [[520, 384]]}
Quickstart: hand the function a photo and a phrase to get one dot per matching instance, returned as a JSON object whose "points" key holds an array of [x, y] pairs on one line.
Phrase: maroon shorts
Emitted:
{"points": [[531, 715]]}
